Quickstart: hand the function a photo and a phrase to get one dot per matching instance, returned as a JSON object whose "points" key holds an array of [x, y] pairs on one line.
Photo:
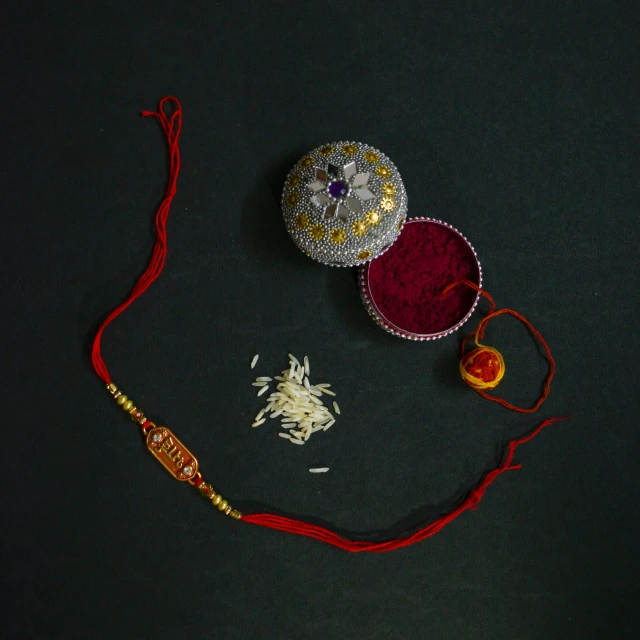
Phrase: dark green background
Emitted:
{"points": [[517, 122]]}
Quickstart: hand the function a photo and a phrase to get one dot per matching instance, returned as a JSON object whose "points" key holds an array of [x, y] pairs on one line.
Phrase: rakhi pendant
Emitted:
{"points": [[344, 203], [172, 454]]}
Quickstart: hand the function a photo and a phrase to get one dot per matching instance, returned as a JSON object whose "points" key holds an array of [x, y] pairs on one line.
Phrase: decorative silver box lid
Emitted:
{"points": [[344, 203]]}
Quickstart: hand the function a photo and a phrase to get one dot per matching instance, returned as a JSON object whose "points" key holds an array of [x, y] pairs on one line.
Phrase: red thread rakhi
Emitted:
{"points": [[414, 291]]}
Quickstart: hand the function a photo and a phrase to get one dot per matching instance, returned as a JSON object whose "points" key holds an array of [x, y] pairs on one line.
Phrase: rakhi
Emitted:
{"points": [[344, 204]]}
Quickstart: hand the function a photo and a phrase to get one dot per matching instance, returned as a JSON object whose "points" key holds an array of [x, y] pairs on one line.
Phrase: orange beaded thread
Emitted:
{"points": [[483, 368]]}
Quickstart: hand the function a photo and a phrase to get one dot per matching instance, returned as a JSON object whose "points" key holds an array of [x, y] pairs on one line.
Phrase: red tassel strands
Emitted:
{"points": [[471, 502], [171, 127]]}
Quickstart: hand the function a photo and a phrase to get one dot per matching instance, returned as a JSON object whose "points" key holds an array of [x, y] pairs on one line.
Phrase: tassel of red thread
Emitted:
{"points": [[171, 127], [301, 528]]}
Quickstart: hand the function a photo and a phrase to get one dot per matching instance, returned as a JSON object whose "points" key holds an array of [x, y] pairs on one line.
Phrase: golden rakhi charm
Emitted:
{"points": [[171, 453]]}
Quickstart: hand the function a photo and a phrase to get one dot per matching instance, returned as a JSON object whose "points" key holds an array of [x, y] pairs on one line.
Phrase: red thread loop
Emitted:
{"points": [[171, 126], [479, 335]]}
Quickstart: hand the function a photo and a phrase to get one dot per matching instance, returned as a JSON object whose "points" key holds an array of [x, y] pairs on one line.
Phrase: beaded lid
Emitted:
{"points": [[344, 203]]}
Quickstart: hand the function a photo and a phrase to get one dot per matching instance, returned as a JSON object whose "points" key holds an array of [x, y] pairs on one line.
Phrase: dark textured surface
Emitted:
{"points": [[515, 121]]}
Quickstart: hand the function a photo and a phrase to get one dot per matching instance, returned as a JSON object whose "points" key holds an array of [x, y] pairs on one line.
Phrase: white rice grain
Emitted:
{"points": [[296, 441], [325, 390], [285, 435], [336, 408], [306, 365], [294, 359], [259, 384], [319, 470], [263, 390], [264, 379], [255, 360], [257, 423]]}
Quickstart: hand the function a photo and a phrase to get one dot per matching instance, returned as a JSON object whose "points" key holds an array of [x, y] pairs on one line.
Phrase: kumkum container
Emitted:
{"points": [[344, 203], [402, 289]]}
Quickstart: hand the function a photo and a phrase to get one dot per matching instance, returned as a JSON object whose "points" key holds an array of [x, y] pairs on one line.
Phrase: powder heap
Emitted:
{"points": [[406, 282]]}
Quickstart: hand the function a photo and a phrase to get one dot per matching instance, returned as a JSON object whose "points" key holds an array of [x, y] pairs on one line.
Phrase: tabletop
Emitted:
{"points": [[515, 122]]}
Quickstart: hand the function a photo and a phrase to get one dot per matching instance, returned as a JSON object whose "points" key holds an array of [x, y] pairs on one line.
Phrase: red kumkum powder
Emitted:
{"points": [[406, 282]]}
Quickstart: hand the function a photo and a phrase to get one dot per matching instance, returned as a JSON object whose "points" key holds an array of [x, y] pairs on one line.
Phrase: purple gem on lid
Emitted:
{"points": [[338, 189]]}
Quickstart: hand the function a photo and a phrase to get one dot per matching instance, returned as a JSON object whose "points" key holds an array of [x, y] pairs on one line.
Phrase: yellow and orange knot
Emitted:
{"points": [[482, 368]]}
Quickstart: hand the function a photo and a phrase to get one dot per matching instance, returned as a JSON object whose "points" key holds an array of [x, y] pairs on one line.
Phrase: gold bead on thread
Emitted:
{"points": [[137, 416]]}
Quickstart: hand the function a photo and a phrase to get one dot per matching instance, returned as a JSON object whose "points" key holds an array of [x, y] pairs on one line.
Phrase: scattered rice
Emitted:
{"points": [[319, 470], [297, 402], [336, 408], [255, 360]]}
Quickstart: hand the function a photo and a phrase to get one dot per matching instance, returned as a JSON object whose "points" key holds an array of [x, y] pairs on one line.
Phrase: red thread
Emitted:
{"points": [[299, 527], [171, 127], [478, 334]]}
